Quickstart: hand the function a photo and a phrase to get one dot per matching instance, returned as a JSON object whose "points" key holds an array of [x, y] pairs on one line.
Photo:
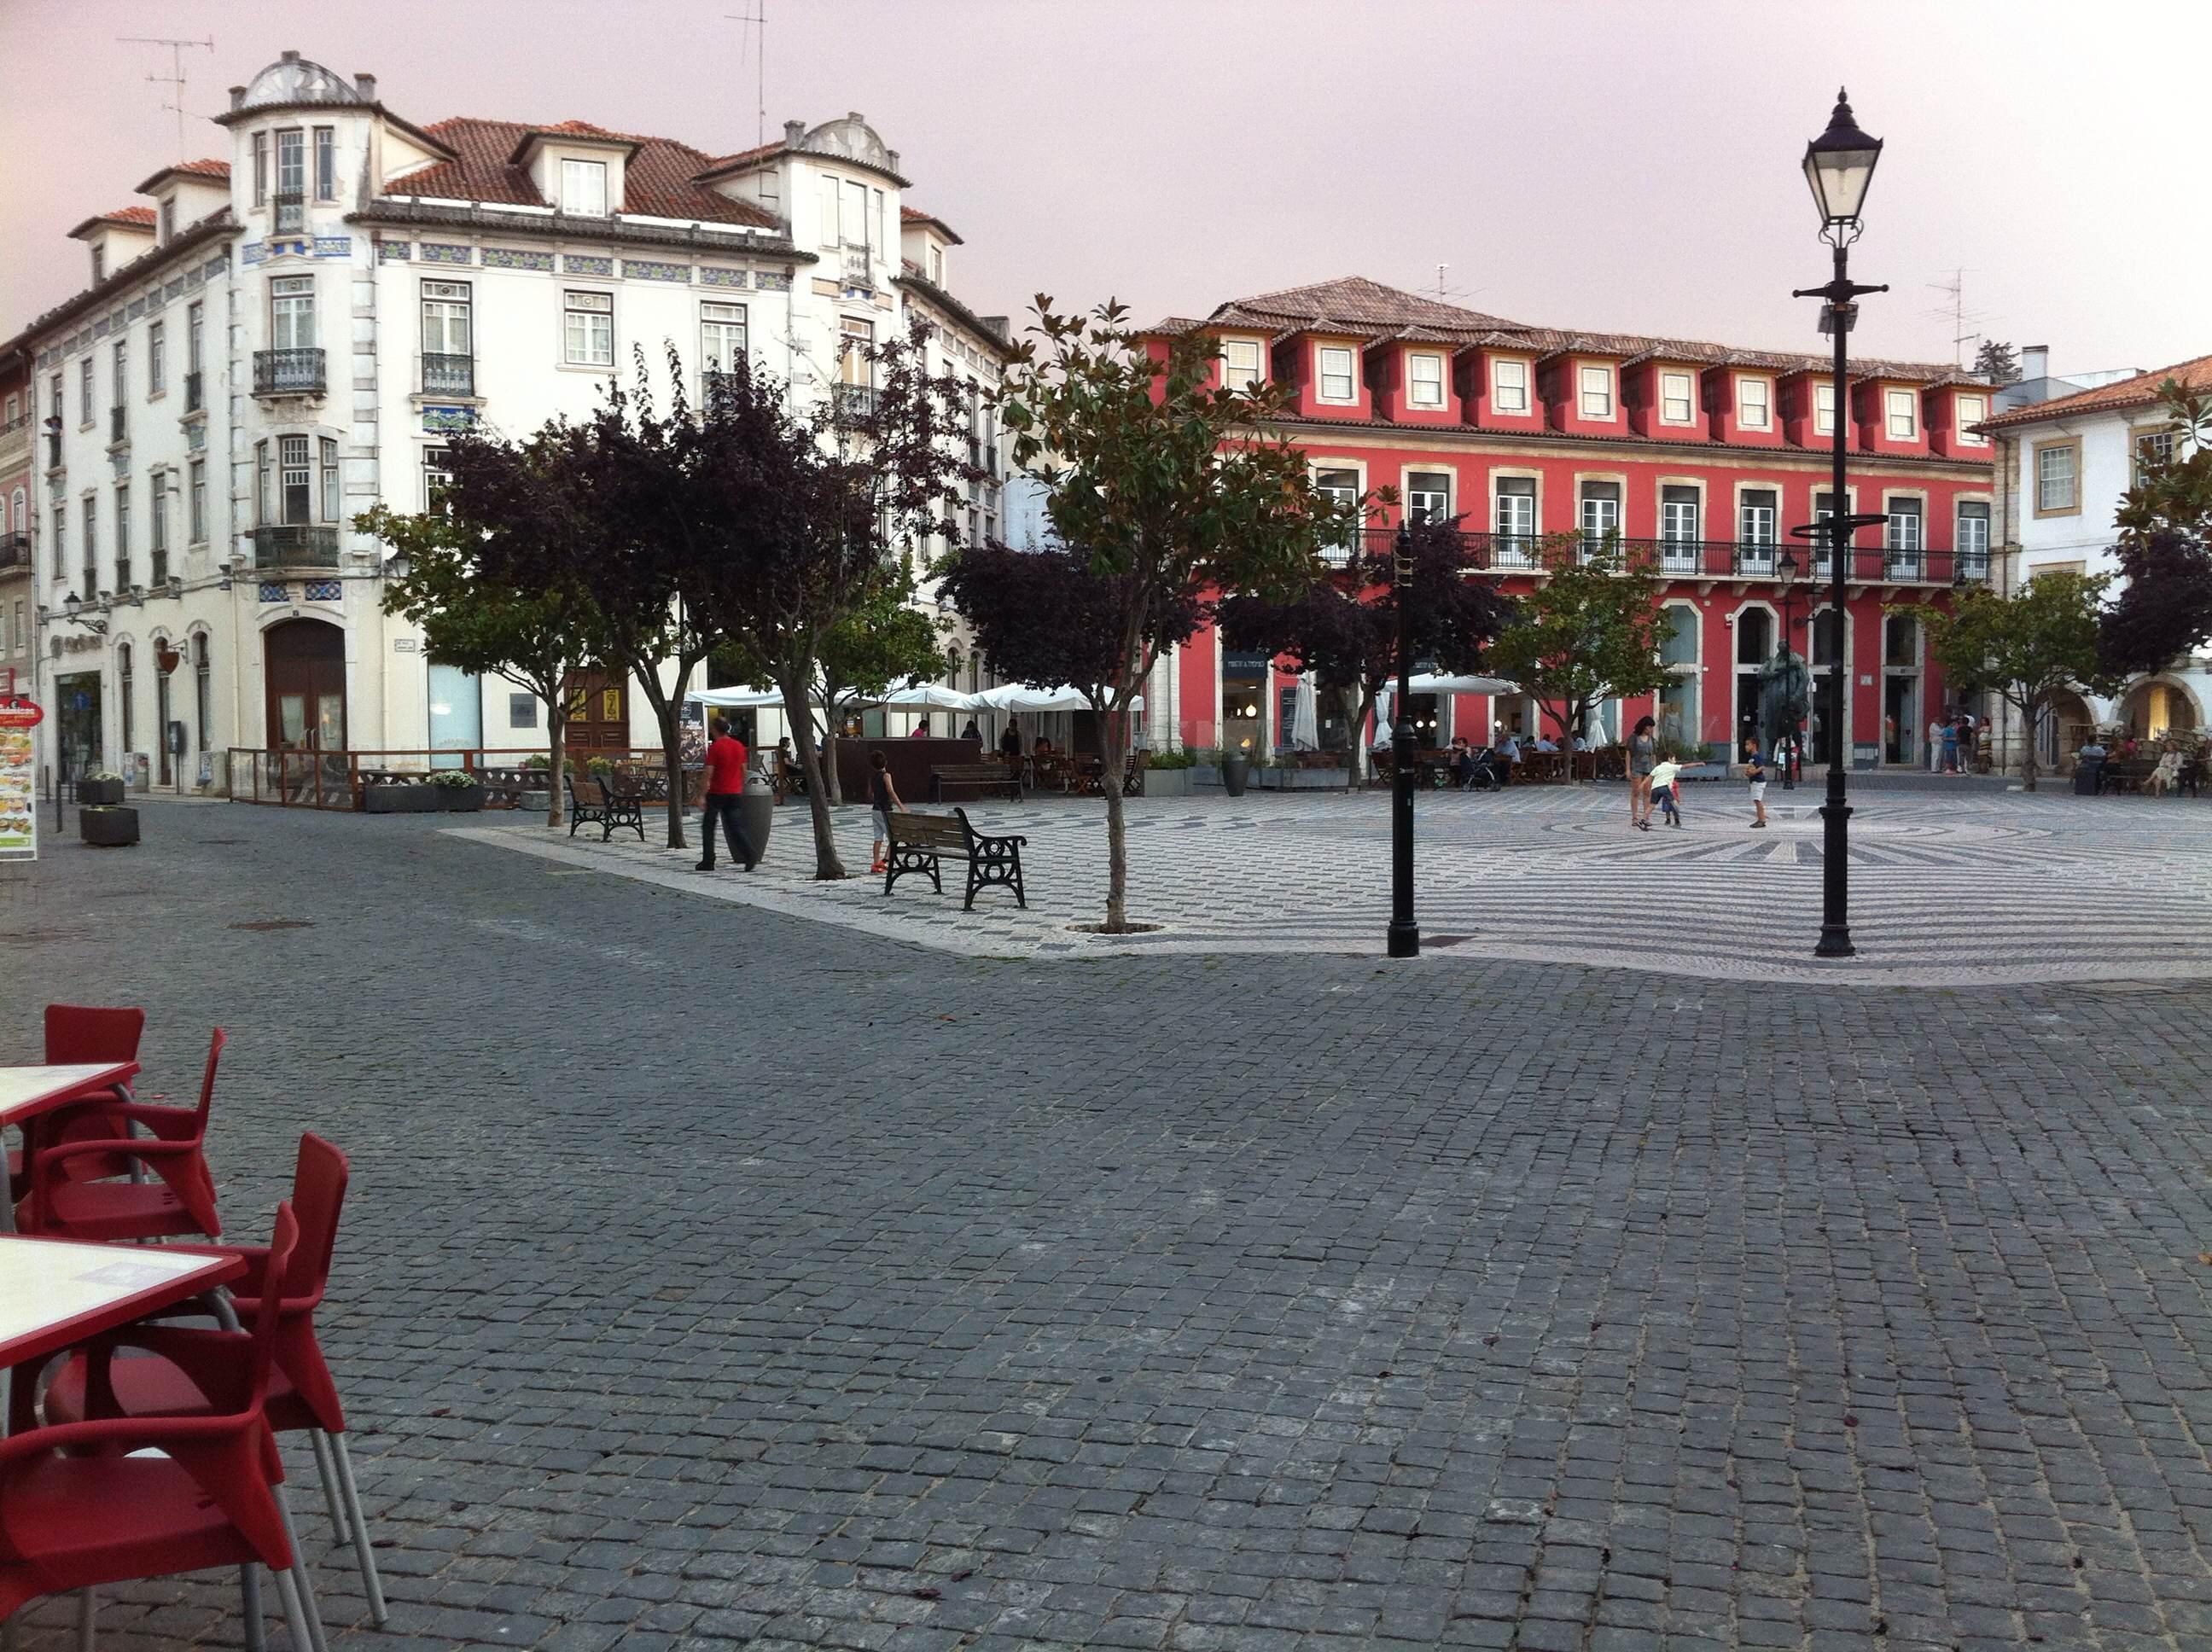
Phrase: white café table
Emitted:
{"points": [[28, 1092]]}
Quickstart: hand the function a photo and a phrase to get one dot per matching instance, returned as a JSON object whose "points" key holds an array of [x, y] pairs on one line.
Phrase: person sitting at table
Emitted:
{"points": [[1463, 762], [1582, 743], [971, 732], [1506, 746], [1044, 746], [1545, 743]]}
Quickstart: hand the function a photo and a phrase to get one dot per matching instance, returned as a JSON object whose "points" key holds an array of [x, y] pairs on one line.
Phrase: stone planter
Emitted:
{"points": [[108, 826], [99, 794], [384, 798], [420, 798], [534, 802], [1236, 773], [460, 799], [1167, 782]]}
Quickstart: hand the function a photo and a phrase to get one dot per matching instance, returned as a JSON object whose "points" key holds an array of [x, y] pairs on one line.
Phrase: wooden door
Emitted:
{"points": [[598, 712], [303, 670]]}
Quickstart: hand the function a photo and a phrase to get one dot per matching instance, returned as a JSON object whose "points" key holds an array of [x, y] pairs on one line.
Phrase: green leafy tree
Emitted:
{"points": [[1590, 631], [1997, 362], [471, 620], [2026, 647], [2164, 610], [1164, 487]]}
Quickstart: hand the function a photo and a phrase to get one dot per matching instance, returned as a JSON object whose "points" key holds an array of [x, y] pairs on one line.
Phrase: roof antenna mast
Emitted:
{"points": [[756, 19], [175, 77]]}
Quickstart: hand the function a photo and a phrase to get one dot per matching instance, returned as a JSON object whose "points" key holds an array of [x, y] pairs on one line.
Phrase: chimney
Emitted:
{"points": [[366, 85], [2034, 362], [793, 131], [856, 116], [288, 57], [238, 97]]}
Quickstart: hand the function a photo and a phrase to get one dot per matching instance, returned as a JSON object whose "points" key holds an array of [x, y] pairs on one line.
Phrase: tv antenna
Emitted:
{"points": [[1966, 323], [175, 77], [755, 42]]}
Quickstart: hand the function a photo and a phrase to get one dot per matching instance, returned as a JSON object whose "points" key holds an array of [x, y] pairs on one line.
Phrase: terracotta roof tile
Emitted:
{"points": [[660, 178], [142, 216], [913, 215], [2142, 389], [209, 168]]}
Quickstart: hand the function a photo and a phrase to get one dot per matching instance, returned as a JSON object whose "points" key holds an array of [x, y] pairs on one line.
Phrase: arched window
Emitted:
{"points": [[1754, 637], [1900, 641]]}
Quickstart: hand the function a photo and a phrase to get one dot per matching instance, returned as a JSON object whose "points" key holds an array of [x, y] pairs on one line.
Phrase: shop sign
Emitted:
{"points": [[19, 814]]}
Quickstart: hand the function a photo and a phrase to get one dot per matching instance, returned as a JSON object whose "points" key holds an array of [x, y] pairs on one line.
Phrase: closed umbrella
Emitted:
{"points": [[1305, 715]]}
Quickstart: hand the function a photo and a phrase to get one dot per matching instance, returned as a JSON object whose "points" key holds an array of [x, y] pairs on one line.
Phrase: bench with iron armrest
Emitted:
{"points": [[2124, 774], [920, 842], [593, 803], [987, 778]]}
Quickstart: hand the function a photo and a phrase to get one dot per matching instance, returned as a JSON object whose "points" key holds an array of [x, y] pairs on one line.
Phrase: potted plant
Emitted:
{"points": [[107, 826], [103, 787], [537, 792], [457, 790], [1168, 774]]}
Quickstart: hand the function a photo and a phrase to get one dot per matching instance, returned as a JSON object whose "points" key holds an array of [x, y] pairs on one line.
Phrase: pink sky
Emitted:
{"points": [[1594, 163]]}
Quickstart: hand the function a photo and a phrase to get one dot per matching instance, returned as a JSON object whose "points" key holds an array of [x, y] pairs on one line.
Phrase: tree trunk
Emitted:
{"points": [[835, 791], [556, 741], [671, 759], [1357, 703], [2032, 718], [1112, 756], [812, 758]]}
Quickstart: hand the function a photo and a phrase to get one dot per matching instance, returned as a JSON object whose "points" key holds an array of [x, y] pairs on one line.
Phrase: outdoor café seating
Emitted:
{"points": [[137, 1446]]}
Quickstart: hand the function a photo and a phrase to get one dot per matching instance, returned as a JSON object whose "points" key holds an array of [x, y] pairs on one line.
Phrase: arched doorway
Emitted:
{"points": [[303, 670], [2158, 707], [2068, 724]]}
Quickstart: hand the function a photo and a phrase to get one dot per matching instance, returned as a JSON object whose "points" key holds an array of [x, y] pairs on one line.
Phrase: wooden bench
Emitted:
{"points": [[987, 778], [2124, 773], [921, 842], [593, 803]]}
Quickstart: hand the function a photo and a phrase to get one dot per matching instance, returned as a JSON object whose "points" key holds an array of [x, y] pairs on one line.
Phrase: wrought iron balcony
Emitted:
{"points": [[296, 545], [288, 372], [14, 552], [288, 212], [855, 402], [1700, 559], [449, 375], [193, 385], [118, 425]]}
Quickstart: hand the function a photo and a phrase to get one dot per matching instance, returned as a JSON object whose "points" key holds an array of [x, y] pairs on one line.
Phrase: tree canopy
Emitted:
{"points": [[2025, 646], [2164, 610], [1996, 362], [1590, 630]]}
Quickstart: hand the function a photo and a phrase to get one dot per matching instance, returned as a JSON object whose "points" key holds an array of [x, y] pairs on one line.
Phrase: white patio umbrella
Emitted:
{"points": [[933, 697], [737, 699], [1015, 696], [1305, 715], [1435, 683]]}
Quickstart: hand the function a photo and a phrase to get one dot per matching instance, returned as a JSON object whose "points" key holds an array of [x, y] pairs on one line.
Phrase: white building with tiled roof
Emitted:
{"points": [[284, 338]]}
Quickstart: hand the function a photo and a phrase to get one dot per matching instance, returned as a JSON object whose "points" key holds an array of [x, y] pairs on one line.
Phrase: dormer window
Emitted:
{"points": [[169, 218], [1240, 364], [98, 261], [1902, 415], [1509, 386], [1676, 405], [1595, 383], [584, 188], [1972, 411], [1823, 410], [937, 266], [1754, 403], [1425, 378], [1336, 379]]}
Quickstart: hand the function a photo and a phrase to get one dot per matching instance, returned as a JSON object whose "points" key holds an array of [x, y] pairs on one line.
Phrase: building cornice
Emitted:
{"points": [[216, 226], [729, 243], [930, 293]]}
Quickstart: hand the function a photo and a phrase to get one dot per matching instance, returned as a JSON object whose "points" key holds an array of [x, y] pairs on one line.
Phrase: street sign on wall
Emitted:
{"points": [[19, 814]]}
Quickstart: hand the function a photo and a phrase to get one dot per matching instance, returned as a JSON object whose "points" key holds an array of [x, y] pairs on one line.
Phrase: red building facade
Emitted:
{"points": [[1703, 456]]}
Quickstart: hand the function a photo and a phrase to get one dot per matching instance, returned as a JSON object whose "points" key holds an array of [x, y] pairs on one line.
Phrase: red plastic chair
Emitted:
{"points": [[180, 1201], [78, 1033], [78, 1512], [302, 1397]]}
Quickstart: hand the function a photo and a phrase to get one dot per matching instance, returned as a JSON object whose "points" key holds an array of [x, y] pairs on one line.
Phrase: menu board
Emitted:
{"points": [[19, 814]]}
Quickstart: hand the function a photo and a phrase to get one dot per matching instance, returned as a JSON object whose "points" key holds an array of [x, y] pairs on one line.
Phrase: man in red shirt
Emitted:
{"points": [[725, 784]]}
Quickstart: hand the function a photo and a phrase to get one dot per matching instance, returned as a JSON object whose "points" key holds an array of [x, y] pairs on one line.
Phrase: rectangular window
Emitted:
{"points": [[1240, 363], [2153, 448], [1754, 403], [1509, 386], [522, 711], [121, 385], [98, 261], [1758, 515], [435, 478], [448, 333], [168, 219], [1601, 513], [1677, 404], [1972, 411], [55, 399], [157, 511], [292, 313], [295, 479], [1336, 382], [1678, 635], [1973, 539], [1680, 506], [260, 168], [588, 334], [326, 163], [91, 538], [198, 519], [1428, 497], [1904, 531], [856, 364], [2056, 484], [1516, 521], [84, 392], [1823, 410], [826, 209], [291, 179], [1901, 412], [1426, 379], [584, 188], [157, 358], [263, 499], [123, 581], [1340, 487], [722, 342], [328, 454], [1596, 389], [852, 215], [195, 338]]}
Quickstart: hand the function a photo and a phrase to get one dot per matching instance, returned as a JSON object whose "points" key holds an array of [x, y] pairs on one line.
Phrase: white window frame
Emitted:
{"points": [[323, 162], [292, 297], [157, 359], [85, 374], [1964, 551], [1519, 535], [587, 328], [718, 320], [1595, 379], [1962, 421], [1764, 402], [1593, 536], [1239, 375], [1891, 402], [1824, 407], [2044, 475], [196, 502], [1415, 385], [1668, 379], [439, 304], [1516, 386], [1323, 374], [1341, 494], [1439, 512], [583, 187]]}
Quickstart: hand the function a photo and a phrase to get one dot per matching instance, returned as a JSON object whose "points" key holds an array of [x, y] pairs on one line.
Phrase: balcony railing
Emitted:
{"points": [[1704, 559], [288, 213], [194, 391], [14, 552], [118, 425], [288, 372], [9, 427], [854, 401], [449, 375], [296, 545]]}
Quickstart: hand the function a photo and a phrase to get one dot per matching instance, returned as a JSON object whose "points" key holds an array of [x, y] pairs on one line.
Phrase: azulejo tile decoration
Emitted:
{"points": [[253, 253], [772, 281], [510, 257], [271, 591], [711, 276], [654, 269], [446, 252], [333, 246], [587, 264], [394, 251], [324, 590], [448, 418]]}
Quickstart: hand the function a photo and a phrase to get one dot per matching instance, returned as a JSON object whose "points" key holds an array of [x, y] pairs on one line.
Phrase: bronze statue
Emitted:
{"points": [[1785, 697]]}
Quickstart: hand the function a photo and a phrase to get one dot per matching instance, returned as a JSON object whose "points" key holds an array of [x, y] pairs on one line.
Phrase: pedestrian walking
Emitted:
{"points": [[882, 798], [1935, 745], [1951, 746], [1642, 753], [1010, 740], [1665, 792], [1755, 769], [726, 786]]}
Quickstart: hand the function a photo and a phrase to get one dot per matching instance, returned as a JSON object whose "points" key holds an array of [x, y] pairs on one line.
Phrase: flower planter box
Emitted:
{"points": [[460, 799], [1204, 774], [107, 826], [386, 798], [1167, 782], [534, 802], [99, 794]]}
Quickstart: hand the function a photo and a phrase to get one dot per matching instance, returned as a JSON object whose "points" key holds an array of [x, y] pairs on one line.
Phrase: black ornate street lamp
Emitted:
{"points": [[1839, 166], [1787, 568], [1404, 935]]}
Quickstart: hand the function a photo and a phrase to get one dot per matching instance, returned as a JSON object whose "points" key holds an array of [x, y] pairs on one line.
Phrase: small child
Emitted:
{"points": [[1664, 790], [882, 798], [1754, 767]]}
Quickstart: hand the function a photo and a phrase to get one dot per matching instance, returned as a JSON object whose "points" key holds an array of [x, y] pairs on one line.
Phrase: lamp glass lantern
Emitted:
{"points": [[1839, 166]]}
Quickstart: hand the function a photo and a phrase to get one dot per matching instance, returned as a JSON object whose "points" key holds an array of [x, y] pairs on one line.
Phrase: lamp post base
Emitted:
{"points": [[1404, 940], [1835, 940]]}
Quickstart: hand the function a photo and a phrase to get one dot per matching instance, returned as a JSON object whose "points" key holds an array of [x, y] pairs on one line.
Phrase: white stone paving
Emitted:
{"points": [[1967, 889]]}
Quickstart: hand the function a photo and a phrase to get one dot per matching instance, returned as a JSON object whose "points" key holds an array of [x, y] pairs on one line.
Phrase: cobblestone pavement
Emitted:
{"points": [[714, 1277], [1968, 887]]}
